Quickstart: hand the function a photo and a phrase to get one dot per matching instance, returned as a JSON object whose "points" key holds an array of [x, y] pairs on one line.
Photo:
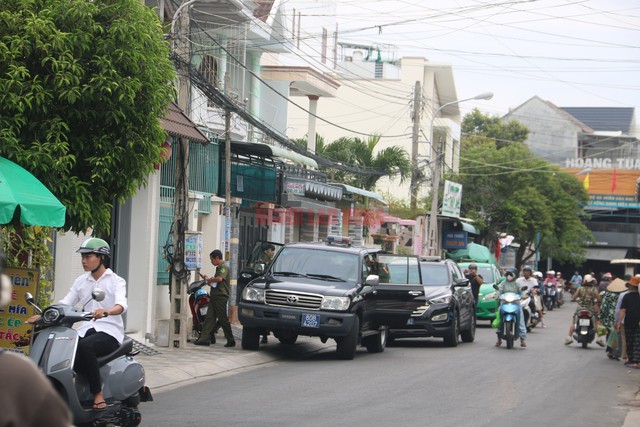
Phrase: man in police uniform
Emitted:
{"points": [[217, 303]]}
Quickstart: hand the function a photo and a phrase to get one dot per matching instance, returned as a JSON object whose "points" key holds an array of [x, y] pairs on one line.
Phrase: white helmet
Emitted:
{"points": [[551, 272], [537, 274]]}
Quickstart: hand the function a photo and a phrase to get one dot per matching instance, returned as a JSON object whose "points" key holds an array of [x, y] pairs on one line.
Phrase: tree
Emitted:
{"points": [[509, 189], [82, 87]]}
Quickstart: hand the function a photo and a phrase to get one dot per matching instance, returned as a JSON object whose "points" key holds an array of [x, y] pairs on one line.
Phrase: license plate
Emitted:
{"points": [[310, 321], [584, 322], [203, 311]]}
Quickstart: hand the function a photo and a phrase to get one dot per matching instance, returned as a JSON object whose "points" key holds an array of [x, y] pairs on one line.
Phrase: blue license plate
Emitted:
{"points": [[310, 321]]}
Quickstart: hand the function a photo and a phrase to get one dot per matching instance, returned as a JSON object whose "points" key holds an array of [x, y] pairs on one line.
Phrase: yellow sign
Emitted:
{"points": [[15, 333]]}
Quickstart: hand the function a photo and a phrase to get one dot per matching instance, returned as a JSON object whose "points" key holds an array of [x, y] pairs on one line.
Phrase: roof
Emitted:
{"points": [[361, 192], [265, 150], [177, 124], [610, 119]]}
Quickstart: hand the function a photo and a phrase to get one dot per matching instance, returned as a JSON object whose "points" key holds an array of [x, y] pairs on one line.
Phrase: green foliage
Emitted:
{"points": [[82, 85], [28, 247], [509, 189]]}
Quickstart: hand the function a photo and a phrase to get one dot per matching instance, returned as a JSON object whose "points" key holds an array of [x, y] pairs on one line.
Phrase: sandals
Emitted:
{"points": [[632, 365], [100, 406]]}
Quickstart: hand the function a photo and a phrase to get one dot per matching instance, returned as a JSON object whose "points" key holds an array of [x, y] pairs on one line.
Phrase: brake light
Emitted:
{"points": [[584, 313]]}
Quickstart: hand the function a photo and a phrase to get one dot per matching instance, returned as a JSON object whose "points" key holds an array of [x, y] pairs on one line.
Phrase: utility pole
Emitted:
{"points": [[179, 274], [417, 96], [231, 225]]}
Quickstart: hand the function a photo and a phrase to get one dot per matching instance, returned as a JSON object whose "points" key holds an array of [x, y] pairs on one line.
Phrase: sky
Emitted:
{"points": [[572, 53]]}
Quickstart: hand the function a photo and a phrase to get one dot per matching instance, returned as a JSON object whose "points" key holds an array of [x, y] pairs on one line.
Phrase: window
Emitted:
{"points": [[209, 69]]}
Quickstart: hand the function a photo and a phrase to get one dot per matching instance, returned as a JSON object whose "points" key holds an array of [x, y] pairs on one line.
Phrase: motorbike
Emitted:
{"points": [[585, 329], [198, 304], [54, 351], [510, 317], [531, 317], [550, 293], [559, 296]]}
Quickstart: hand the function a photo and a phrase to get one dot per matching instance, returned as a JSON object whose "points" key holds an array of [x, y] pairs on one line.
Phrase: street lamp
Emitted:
{"points": [[432, 241]]}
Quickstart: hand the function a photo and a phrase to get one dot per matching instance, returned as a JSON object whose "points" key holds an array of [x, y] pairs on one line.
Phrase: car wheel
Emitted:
{"points": [[470, 334], [376, 343], [250, 338], [346, 347], [451, 338], [288, 338]]}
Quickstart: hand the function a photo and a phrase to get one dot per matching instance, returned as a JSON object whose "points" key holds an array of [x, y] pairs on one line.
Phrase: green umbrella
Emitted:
{"points": [[474, 252], [20, 189]]}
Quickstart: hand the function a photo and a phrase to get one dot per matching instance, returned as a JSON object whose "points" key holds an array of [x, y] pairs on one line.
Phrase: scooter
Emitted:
{"points": [[550, 293], [54, 351], [528, 309], [559, 296], [510, 317], [198, 303], [585, 329]]}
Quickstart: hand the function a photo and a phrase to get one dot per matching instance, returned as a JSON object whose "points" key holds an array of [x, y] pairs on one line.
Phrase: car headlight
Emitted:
{"points": [[441, 300], [253, 294], [492, 296], [335, 303], [50, 315]]}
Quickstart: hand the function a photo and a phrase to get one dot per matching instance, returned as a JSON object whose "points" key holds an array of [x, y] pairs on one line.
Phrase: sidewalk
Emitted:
{"points": [[171, 366]]}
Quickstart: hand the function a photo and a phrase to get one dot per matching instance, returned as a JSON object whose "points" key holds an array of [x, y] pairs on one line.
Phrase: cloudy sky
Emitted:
{"points": [[572, 53]]}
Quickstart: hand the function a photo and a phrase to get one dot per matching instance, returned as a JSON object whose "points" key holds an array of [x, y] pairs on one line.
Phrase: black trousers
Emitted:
{"points": [[92, 345]]}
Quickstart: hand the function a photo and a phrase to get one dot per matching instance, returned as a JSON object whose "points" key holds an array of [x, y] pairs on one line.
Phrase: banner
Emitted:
{"points": [[452, 198], [15, 333]]}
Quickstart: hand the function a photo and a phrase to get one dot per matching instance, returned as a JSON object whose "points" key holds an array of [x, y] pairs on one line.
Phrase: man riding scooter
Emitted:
{"points": [[510, 285]]}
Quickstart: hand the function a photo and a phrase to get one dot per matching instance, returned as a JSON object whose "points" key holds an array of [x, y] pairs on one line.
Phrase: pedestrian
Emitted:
{"points": [[268, 251], [630, 316], [608, 316], [622, 338], [588, 298], [475, 280], [27, 397], [219, 297]]}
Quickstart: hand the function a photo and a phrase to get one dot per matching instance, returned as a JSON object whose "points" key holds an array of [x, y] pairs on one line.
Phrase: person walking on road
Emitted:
{"points": [[217, 309], [630, 315], [475, 280], [608, 316]]}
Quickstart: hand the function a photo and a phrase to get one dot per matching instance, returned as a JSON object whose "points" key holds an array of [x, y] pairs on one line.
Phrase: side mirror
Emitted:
{"points": [[495, 287], [461, 282], [372, 280], [259, 269], [524, 288], [98, 294], [29, 298]]}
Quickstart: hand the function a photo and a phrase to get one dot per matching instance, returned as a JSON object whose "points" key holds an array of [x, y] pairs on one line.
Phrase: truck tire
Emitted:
{"points": [[376, 343], [250, 338], [346, 346]]}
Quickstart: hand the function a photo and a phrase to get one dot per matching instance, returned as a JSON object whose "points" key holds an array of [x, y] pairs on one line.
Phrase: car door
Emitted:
{"points": [[400, 290], [463, 294]]}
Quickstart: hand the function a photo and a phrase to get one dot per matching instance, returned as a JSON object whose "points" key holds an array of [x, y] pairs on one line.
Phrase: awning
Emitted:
{"points": [[469, 228], [177, 124], [605, 254], [265, 150], [361, 192]]}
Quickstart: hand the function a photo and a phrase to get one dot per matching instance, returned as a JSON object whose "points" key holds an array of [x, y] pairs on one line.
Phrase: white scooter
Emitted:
{"points": [[54, 351]]}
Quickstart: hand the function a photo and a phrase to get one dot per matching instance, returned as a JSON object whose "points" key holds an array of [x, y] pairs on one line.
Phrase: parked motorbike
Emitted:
{"points": [[510, 317], [198, 304], [584, 330], [549, 299], [54, 351]]}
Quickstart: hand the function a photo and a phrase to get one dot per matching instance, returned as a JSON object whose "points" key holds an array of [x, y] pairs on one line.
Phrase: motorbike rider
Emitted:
{"points": [[105, 333], [550, 281], [510, 285], [588, 298], [529, 281]]}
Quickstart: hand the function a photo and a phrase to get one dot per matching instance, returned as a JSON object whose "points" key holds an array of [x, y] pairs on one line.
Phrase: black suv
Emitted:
{"points": [[329, 290], [447, 309]]}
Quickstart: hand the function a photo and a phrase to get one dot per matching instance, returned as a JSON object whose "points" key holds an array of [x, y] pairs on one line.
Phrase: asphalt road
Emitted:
{"points": [[415, 382]]}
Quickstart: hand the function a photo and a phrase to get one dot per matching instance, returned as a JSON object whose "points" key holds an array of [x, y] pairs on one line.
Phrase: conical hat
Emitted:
{"points": [[618, 285]]}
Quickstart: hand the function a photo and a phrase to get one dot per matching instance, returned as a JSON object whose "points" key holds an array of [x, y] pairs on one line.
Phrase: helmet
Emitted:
{"points": [[551, 273], [527, 267], [200, 292], [511, 271], [537, 274], [473, 266], [588, 279], [607, 275], [95, 246]]}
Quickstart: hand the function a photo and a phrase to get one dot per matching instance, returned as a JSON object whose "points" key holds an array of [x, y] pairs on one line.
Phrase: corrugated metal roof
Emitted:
{"points": [[609, 119], [176, 123]]}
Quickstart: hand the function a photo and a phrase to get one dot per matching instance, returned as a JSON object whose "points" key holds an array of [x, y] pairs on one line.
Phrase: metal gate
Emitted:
{"points": [[251, 229]]}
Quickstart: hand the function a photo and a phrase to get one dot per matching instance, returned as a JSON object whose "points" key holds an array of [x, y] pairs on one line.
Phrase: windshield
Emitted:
{"points": [[314, 262], [487, 274], [434, 274]]}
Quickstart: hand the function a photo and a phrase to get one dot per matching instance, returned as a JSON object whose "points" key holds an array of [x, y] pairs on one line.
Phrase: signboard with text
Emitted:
{"points": [[193, 250], [452, 198], [15, 333], [454, 240]]}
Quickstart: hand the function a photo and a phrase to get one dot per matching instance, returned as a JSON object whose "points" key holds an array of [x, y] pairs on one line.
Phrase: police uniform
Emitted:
{"points": [[218, 307]]}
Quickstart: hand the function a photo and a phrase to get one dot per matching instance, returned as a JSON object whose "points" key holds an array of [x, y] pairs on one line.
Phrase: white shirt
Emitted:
{"points": [[115, 289], [529, 283]]}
